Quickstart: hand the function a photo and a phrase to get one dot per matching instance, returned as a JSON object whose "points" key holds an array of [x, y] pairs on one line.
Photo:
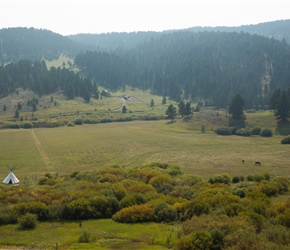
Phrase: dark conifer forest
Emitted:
{"points": [[213, 66], [191, 64], [36, 77]]}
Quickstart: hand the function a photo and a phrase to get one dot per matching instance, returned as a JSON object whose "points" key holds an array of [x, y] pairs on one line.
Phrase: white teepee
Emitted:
{"points": [[11, 179]]}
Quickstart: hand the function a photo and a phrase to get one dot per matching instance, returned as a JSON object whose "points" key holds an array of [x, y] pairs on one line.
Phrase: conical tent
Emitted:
{"points": [[11, 179]]}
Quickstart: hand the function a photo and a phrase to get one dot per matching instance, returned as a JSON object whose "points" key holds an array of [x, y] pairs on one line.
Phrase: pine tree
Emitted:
{"points": [[187, 110], [236, 107], [164, 100], [152, 103], [181, 108], [171, 112], [283, 108], [16, 113]]}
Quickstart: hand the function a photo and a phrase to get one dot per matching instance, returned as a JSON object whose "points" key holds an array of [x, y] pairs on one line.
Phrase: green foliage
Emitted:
{"points": [[243, 132], [38, 208], [195, 241], [27, 125], [256, 131], [171, 112], [162, 183], [266, 132], [79, 121], [236, 179], [236, 107], [134, 214], [221, 178], [132, 199], [283, 108], [165, 212], [27, 221], [286, 140], [223, 131], [86, 237]]}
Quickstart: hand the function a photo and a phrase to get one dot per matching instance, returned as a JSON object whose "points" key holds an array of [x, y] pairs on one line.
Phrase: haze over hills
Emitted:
{"points": [[194, 64], [108, 41]]}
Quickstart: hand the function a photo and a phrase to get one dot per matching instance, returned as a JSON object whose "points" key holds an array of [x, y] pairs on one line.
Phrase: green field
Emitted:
{"points": [[107, 234], [87, 147]]}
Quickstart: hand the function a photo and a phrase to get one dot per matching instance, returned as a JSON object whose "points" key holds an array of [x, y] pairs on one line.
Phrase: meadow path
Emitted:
{"points": [[41, 151]]}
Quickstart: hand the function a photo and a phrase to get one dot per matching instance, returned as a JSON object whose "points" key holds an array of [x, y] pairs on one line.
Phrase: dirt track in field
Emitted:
{"points": [[43, 154]]}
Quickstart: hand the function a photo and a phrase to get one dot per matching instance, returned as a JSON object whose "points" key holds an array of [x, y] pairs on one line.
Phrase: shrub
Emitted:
{"points": [[266, 132], [195, 241], [243, 132], [286, 140], [132, 199], [136, 213], [256, 131], [86, 237], [27, 125], [70, 124], [162, 183], [218, 237], [165, 212], [240, 191], [236, 179], [223, 131], [12, 125], [220, 178], [34, 207], [79, 121], [27, 221]]}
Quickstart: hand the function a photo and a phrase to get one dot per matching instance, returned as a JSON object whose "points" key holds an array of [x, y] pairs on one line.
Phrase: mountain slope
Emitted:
{"points": [[34, 44], [277, 29], [206, 65], [110, 41]]}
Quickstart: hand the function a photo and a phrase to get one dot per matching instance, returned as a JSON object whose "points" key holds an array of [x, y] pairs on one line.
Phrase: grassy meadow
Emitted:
{"points": [[131, 144], [107, 233], [88, 147]]}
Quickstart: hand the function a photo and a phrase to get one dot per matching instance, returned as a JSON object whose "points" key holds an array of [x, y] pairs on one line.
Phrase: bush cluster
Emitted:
{"points": [[244, 131], [286, 140], [213, 214]]}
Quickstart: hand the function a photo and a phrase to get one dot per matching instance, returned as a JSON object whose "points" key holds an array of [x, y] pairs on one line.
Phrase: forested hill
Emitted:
{"points": [[115, 40], [207, 65], [34, 44], [110, 41], [277, 29]]}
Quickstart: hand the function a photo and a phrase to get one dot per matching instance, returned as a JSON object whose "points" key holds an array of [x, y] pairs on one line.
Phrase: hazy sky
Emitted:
{"points": [[95, 16]]}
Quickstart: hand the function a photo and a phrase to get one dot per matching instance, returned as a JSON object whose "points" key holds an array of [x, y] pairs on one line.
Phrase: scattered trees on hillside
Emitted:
{"points": [[189, 64]]}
